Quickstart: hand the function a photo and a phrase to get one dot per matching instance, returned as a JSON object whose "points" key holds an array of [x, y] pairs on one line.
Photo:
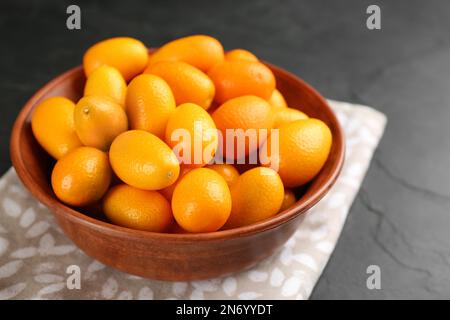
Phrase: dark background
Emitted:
{"points": [[401, 217]]}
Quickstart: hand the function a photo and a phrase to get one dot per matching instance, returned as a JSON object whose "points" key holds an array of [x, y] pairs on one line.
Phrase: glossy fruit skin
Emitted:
{"points": [[144, 161], [188, 83], [149, 104], [53, 126], [288, 200], [246, 112], [240, 54], [82, 176], [177, 229], [138, 209], [201, 51], [257, 195], [235, 78], [227, 171], [201, 201], [106, 81], [287, 115], [277, 100], [188, 118], [99, 120], [168, 191], [304, 146], [128, 55], [243, 167]]}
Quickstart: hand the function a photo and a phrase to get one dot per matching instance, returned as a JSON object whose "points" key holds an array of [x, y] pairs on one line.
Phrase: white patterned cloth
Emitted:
{"points": [[35, 254]]}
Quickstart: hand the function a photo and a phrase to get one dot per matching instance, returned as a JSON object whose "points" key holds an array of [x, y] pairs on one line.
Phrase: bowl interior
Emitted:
{"points": [[34, 165], [37, 161]]}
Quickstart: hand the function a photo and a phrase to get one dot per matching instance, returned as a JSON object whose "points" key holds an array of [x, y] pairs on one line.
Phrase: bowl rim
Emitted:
{"points": [[66, 212]]}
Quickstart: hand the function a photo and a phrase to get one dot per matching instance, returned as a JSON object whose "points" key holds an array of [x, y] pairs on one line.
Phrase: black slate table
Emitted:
{"points": [[400, 220]]}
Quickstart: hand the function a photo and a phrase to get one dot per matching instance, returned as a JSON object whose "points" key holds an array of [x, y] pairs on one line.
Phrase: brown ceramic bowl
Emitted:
{"points": [[172, 256]]}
